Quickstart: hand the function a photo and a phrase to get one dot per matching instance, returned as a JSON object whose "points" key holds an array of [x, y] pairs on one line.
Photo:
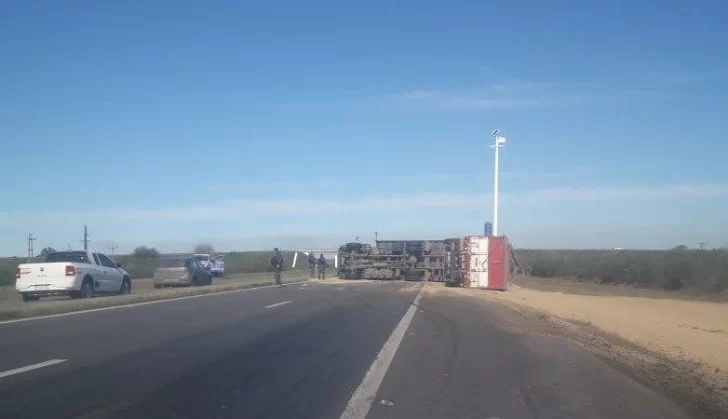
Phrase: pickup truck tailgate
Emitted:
{"points": [[42, 276]]}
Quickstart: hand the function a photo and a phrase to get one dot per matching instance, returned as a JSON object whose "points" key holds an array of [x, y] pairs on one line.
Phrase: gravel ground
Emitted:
{"points": [[11, 305]]}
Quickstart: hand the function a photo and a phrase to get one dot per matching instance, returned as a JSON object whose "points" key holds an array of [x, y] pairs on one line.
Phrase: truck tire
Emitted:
{"points": [[125, 286], [87, 289]]}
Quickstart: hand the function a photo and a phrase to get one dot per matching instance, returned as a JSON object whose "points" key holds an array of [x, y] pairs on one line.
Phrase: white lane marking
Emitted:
{"points": [[278, 304], [363, 396], [27, 368], [144, 303]]}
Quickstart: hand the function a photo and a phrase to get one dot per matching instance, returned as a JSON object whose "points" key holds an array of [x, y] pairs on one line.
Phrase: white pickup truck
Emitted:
{"points": [[212, 263], [80, 274]]}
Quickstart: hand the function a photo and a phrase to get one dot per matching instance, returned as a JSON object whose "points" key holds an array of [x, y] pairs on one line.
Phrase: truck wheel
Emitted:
{"points": [[87, 289], [30, 297], [125, 287]]}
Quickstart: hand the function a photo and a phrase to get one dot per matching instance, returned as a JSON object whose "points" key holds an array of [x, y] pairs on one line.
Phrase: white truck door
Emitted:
{"points": [[98, 274], [112, 276]]}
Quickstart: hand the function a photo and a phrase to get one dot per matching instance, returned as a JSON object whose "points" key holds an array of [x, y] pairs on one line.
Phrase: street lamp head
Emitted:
{"points": [[495, 133]]}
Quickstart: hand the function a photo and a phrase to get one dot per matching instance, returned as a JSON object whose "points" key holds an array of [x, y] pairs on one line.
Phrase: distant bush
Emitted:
{"points": [[145, 252], [204, 248], [704, 272], [46, 251]]}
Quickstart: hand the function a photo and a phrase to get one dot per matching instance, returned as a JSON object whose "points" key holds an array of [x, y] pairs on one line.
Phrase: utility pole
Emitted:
{"points": [[701, 245], [376, 236], [499, 142], [85, 238], [113, 247], [31, 239]]}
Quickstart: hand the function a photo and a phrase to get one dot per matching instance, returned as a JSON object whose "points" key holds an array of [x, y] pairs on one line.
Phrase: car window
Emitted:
{"points": [[196, 264], [96, 259], [105, 261], [75, 257]]}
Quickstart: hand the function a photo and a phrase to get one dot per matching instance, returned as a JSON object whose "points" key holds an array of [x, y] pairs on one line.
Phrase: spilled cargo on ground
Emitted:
{"points": [[472, 261]]}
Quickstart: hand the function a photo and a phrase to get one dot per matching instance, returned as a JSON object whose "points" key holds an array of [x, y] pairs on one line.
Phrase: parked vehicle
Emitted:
{"points": [[212, 263], [80, 274], [181, 271]]}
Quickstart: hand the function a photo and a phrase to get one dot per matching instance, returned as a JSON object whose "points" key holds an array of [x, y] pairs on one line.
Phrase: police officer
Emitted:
{"points": [[277, 261], [311, 265], [321, 267]]}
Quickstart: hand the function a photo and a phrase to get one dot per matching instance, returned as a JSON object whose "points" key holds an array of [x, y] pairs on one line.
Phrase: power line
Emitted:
{"points": [[31, 239]]}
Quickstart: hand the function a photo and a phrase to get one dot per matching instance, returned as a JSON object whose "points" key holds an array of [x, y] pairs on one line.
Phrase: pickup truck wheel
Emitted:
{"points": [[30, 297], [87, 289], [125, 287]]}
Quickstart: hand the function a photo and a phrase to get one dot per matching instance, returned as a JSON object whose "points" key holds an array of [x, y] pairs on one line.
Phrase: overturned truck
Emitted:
{"points": [[412, 260], [471, 261]]}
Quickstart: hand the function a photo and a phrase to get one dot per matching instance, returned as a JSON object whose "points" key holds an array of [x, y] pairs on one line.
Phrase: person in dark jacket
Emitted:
{"points": [[277, 261], [321, 266], [311, 265]]}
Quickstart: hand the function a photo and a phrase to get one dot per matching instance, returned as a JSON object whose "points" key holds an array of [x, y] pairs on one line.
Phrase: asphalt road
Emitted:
{"points": [[309, 351]]}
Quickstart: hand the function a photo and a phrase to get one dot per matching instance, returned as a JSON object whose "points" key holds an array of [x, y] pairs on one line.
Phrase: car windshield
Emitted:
{"points": [[172, 263], [79, 257]]}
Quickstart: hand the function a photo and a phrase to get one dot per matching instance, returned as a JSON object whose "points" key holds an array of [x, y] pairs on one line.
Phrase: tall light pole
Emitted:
{"points": [[499, 142]]}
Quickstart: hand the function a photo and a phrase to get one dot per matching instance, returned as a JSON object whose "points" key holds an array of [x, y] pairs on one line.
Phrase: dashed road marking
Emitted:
{"points": [[278, 304], [27, 368]]}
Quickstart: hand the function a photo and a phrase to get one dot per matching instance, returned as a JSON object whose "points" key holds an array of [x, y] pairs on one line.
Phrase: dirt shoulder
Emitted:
{"points": [[12, 307], [678, 347], [587, 287]]}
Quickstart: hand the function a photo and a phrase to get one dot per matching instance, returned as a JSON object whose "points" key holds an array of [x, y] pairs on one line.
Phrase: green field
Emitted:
{"points": [[235, 262], [698, 271]]}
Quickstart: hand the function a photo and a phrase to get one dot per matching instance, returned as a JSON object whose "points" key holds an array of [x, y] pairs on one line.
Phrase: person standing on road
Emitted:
{"points": [[311, 265], [277, 261], [321, 267]]}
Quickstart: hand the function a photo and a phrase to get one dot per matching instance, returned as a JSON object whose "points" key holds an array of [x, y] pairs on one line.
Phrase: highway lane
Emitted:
{"points": [[301, 351], [117, 357]]}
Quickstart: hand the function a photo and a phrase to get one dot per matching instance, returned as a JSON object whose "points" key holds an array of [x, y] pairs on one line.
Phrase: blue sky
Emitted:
{"points": [[304, 124]]}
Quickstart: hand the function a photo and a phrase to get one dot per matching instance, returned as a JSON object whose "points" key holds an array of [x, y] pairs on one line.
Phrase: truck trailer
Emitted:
{"points": [[411, 260], [470, 261]]}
